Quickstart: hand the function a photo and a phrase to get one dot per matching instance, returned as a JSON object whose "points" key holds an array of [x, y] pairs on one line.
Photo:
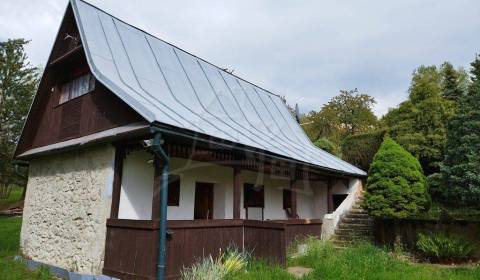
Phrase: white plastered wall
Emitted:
{"points": [[137, 182], [67, 203]]}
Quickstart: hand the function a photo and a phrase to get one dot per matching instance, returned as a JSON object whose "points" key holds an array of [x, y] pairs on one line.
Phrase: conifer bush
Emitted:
{"points": [[396, 186]]}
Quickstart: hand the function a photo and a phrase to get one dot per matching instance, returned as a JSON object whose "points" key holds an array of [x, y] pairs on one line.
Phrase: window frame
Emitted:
{"points": [[92, 84], [248, 189]]}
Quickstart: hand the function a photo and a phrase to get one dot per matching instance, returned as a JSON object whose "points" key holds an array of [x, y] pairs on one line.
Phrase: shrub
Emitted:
{"points": [[210, 268], [327, 145], [440, 247], [360, 149], [396, 185]]}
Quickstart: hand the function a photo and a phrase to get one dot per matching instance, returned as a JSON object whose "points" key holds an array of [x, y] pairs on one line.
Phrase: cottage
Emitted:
{"points": [[137, 147]]}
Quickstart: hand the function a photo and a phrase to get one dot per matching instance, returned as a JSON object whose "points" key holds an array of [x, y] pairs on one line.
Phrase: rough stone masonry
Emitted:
{"points": [[67, 203]]}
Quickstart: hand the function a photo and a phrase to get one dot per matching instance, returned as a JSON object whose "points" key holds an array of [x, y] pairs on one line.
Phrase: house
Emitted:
{"points": [[137, 147]]}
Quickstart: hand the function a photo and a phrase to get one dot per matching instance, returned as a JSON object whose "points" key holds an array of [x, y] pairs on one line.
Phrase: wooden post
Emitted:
{"points": [[157, 179], [293, 191], [330, 195], [237, 191], [117, 181]]}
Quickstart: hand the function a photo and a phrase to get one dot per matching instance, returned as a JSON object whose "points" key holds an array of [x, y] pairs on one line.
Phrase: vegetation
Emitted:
{"points": [[346, 114], [327, 145], [9, 242], [419, 124], [396, 185], [18, 82], [230, 262], [14, 196], [360, 149], [444, 248], [461, 167]]}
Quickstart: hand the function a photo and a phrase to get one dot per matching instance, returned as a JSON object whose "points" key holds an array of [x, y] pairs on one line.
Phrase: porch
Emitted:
{"points": [[131, 248], [216, 199]]}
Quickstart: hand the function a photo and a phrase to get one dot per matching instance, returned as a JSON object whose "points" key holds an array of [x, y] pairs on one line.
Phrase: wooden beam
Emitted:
{"points": [[330, 196], [117, 181], [237, 191]]}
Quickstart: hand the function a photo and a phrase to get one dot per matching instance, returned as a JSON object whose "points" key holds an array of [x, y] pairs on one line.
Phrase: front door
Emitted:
{"points": [[203, 201]]}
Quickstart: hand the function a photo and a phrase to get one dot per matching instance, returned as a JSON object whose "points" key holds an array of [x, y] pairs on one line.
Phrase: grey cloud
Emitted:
{"points": [[305, 50]]}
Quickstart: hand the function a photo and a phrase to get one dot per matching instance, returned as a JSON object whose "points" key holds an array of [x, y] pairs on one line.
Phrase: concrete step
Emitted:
{"points": [[351, 238], [367, 232], [358, 216], [357, 221], [355, 226], [357, 211]]}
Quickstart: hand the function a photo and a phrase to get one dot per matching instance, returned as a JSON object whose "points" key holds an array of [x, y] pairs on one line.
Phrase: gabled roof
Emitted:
{"points": [[170, 86]]}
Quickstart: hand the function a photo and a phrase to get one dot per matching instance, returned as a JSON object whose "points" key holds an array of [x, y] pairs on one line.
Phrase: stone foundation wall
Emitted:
{"points": [[67, 203]]}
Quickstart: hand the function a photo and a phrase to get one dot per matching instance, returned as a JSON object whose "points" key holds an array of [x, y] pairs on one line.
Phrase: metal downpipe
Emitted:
{"points": [[162, 238]]}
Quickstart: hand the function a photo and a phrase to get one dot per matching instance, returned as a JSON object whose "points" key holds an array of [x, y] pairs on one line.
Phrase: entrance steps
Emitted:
{"points": [[355, 226]]}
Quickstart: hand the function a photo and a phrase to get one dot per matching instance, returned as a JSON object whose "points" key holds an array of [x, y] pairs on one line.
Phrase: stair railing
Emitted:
{"points": [[331, 220]]}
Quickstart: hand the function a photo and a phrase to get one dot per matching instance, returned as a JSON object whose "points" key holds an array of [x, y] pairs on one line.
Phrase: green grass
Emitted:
{"points": [[15, 196], [362, 262], [9, 246], [261, 270], [366, 261]]}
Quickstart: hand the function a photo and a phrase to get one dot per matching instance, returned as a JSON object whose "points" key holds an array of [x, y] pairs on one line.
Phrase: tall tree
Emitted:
{"points": [[451, 82], [18, 81], [461, 167], [419, 124], [346, 114]]}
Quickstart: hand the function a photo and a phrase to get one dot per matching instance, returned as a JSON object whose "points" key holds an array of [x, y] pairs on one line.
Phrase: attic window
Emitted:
{"points": [[77, 87]]}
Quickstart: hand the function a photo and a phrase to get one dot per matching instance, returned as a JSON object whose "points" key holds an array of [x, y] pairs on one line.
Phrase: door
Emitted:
{"points": [[203, 201]]}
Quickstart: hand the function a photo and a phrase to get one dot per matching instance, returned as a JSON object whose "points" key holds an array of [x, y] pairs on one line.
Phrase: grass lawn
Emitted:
{"points": [[362, 262], [9, 242]]}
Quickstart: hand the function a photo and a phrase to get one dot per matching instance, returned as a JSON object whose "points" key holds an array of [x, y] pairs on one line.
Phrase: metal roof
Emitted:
{"points": [[166, 84]]}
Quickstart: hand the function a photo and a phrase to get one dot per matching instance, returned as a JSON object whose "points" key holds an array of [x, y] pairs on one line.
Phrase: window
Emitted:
{"points": [[287, 199], [253, 196], [173, 190], [78, 87]]}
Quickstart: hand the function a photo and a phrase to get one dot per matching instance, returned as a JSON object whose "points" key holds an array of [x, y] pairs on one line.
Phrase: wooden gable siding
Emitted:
{"points": [[50, 122]]}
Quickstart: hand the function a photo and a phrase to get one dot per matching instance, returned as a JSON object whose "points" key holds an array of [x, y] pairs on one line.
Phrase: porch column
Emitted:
{"points": [[330, 195], [293, 196], [237, 192]]}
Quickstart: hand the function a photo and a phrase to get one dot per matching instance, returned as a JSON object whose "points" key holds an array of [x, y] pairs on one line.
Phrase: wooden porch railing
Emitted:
{"points": [[131, 245]]}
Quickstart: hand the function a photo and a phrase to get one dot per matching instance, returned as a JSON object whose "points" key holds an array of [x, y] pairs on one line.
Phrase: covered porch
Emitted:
{"points": [[217, 197]]}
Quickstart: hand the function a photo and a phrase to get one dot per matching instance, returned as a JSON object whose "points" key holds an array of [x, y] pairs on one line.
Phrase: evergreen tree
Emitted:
{"points": [[461, 167], [419, 124], [451, 80], [396, 184], [18, 81]]}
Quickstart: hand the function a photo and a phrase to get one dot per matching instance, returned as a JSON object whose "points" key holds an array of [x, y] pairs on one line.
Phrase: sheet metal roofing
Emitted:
{"points": [[166, 84]]}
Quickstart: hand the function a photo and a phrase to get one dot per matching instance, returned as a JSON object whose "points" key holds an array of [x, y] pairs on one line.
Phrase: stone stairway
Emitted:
{"points": [[355, 226]]}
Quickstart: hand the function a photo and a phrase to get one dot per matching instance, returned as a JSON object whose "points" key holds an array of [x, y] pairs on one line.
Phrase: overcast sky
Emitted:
{"points": [[304, 50]]}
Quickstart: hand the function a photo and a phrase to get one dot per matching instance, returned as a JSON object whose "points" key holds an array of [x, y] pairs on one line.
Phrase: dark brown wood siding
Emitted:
{"points": [[131, 246], [93, 112], [48, 122]]}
